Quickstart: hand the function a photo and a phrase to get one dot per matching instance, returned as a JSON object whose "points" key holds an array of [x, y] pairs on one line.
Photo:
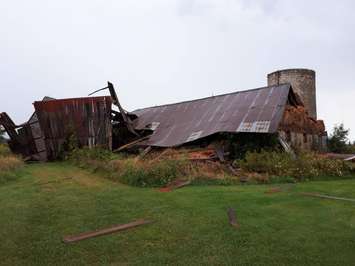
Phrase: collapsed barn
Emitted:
{"points": [[286, 108]]}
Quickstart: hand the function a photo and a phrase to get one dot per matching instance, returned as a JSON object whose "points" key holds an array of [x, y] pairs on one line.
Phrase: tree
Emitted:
{"points": [[338, 140]]}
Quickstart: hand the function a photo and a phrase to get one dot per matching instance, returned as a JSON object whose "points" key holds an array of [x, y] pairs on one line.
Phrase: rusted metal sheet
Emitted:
{"points": [[257, 111], [87, 119]]}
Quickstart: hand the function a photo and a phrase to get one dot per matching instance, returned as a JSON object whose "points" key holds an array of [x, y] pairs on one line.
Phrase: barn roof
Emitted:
{"points": [[258, 110]]}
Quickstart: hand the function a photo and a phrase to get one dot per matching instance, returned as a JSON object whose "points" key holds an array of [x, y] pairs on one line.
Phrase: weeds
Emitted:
{"points": [[256, 167], [127, 169], [307, 165], [146, 172], [9, 164]]}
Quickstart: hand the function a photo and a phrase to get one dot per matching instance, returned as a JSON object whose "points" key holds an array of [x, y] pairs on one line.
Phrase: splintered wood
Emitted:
{"points": [[175, 185], [232, 217], [116, 228]]}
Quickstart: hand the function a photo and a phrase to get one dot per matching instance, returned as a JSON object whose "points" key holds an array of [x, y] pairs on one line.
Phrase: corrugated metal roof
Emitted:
{"points": [[258, 110]]}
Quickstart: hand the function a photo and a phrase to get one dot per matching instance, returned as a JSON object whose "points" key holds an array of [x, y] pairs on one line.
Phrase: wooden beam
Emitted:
{"points": [[232, 217], [113, 229], [326, 197], [131, 144]]}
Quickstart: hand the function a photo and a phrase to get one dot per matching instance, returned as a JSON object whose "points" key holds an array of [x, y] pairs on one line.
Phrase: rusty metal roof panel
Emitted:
{"points": [[89, 119], [256, 111]]}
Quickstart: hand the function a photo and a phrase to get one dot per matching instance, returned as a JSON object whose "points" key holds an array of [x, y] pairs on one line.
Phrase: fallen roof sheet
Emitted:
{"points": [[255, 111]]}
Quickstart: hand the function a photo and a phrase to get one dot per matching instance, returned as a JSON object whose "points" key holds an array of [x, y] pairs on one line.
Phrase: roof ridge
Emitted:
{"points": [[204, 98]]}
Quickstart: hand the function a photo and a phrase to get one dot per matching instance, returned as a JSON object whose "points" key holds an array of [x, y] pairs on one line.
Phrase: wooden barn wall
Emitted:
{"points": [[87, 120]]}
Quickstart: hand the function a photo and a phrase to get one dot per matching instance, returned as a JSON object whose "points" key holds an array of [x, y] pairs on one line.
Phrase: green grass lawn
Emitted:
{"points": [[191, 225]]}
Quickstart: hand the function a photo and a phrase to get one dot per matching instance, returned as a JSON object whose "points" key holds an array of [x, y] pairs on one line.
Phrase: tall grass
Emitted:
{"points": [[148, 172], [307, 165], [128, 169], [9, 164]]}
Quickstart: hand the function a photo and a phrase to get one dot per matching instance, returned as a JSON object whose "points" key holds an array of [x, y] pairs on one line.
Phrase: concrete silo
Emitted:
{"points": [[303, 82]]}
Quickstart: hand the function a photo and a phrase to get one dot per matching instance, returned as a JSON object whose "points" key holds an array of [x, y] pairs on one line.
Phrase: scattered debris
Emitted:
{"points": [[145, 152], [326, 196], [233, 170], [286, 146], [201, 155], [273, 190], [116, 228], [232, 217], [131, 144], [220, 154], [176, 184]]}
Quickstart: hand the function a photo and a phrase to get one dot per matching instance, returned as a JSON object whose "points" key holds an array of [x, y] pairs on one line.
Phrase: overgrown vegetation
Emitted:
{"points": [[338, 141], [257, 167], [127, 169], [9, 164], [306, 165]]}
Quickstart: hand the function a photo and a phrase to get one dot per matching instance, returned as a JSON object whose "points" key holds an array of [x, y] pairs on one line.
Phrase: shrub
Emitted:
{"points": [[129, 170], [146, 173], [9, 164], [306, 165], [4, 150]]}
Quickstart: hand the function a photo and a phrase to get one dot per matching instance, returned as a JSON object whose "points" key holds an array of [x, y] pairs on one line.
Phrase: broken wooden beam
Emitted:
{"points": [[326, 196], [232, 217], [220, 154], [175, 185], [131, 144], [116, 228], [182, 184], [145, 152]]}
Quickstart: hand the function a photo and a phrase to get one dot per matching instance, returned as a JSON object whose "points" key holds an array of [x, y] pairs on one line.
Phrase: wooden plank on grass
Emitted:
{"points": [[326, 197], [106, 231], [175, 185], [232, 217], [182, 184]]}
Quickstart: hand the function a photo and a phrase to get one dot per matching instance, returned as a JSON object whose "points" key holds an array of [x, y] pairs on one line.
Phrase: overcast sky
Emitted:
{"points": [[164, 51]]}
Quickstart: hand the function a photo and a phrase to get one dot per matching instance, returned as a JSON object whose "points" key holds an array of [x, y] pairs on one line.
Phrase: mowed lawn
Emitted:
{"points": [[191, 225]]}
